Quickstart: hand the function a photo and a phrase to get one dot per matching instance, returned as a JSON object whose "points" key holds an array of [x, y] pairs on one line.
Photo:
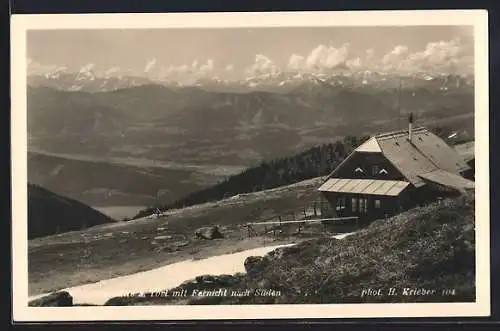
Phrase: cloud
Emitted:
{"points": [[178, 69], [317, 57], [447, 55], [323, 57], [35, 68], [87, 68], [296, 62], [355, 63], [394, 58], [369, 54], [262, 65], [207, 67], [113, 70], [186, 73], [150, 65], [450, 56]]}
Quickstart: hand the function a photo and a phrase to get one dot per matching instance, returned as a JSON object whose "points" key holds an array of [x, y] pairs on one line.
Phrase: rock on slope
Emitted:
{"points": [[49, 213]]}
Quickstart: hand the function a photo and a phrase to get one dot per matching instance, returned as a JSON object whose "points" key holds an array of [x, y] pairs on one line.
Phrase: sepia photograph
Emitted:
{"points": [[250, 165]]}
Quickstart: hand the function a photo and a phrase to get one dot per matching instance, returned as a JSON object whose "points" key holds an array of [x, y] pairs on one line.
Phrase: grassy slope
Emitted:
{"points": [[49, 213], [122, 248], [431, 247]]}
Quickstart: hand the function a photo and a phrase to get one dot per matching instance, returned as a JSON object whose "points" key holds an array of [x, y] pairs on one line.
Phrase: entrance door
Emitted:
{"points": [[359, 205], [363, 205]]}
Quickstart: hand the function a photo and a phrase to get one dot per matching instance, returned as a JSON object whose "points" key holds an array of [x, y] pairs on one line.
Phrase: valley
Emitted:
{"points": [[172, 141], [104, 184]]}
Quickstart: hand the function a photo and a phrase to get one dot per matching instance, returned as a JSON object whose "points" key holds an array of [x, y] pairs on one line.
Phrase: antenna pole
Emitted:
{"points": [[399, 104]]}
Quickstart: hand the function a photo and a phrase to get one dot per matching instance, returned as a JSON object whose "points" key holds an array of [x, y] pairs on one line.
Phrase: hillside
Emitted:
{"points": [[122, 248], [426, 248], [49, 213], [191, 125], [119, 182]]}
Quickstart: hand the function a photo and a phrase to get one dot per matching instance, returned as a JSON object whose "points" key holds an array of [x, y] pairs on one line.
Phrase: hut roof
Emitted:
{"points": [[425, 153]]}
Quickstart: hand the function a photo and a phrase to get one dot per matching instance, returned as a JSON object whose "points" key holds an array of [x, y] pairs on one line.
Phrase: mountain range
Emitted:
{"points": [[89, 81]]}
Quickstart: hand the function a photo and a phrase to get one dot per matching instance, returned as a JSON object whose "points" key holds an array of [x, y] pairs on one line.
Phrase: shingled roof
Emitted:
{"points": [[426, 152]]}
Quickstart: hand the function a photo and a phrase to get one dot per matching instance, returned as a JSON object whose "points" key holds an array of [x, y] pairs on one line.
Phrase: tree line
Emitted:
{"points": [[313, 162]]}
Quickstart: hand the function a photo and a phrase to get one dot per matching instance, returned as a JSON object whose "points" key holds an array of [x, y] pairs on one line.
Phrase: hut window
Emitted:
{"points": [[377, 203], [375, 169], [363, 205], [354, 204], [341, 203]]}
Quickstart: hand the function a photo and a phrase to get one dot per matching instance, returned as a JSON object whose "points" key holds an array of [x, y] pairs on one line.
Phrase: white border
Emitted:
{"points": [[21, 23]]}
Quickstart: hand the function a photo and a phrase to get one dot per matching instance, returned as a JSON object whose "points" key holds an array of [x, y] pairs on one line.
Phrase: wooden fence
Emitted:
{"points": [[313, 214]]}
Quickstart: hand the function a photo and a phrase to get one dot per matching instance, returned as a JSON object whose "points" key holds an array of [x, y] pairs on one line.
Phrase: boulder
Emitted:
{"points": [[182, 244], [209, 233], [57, 299], [255, 264]]}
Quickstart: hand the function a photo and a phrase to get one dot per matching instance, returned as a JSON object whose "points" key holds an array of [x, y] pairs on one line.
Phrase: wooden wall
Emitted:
{"points": [[342, 204]]}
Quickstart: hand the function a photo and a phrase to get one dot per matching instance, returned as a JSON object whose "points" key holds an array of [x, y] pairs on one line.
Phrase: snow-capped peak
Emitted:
{"points": [[86, 72], [55, 73]]}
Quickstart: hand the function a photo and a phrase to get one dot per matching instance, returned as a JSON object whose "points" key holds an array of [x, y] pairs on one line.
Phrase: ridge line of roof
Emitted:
{"points": [[398, 132]]}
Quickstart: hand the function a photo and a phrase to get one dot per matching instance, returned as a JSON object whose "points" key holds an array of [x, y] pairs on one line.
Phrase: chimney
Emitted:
{"points": [[410, 126]]}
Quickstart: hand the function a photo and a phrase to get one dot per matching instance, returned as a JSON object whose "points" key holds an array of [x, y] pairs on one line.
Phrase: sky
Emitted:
{"points": [[239, 52]]}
